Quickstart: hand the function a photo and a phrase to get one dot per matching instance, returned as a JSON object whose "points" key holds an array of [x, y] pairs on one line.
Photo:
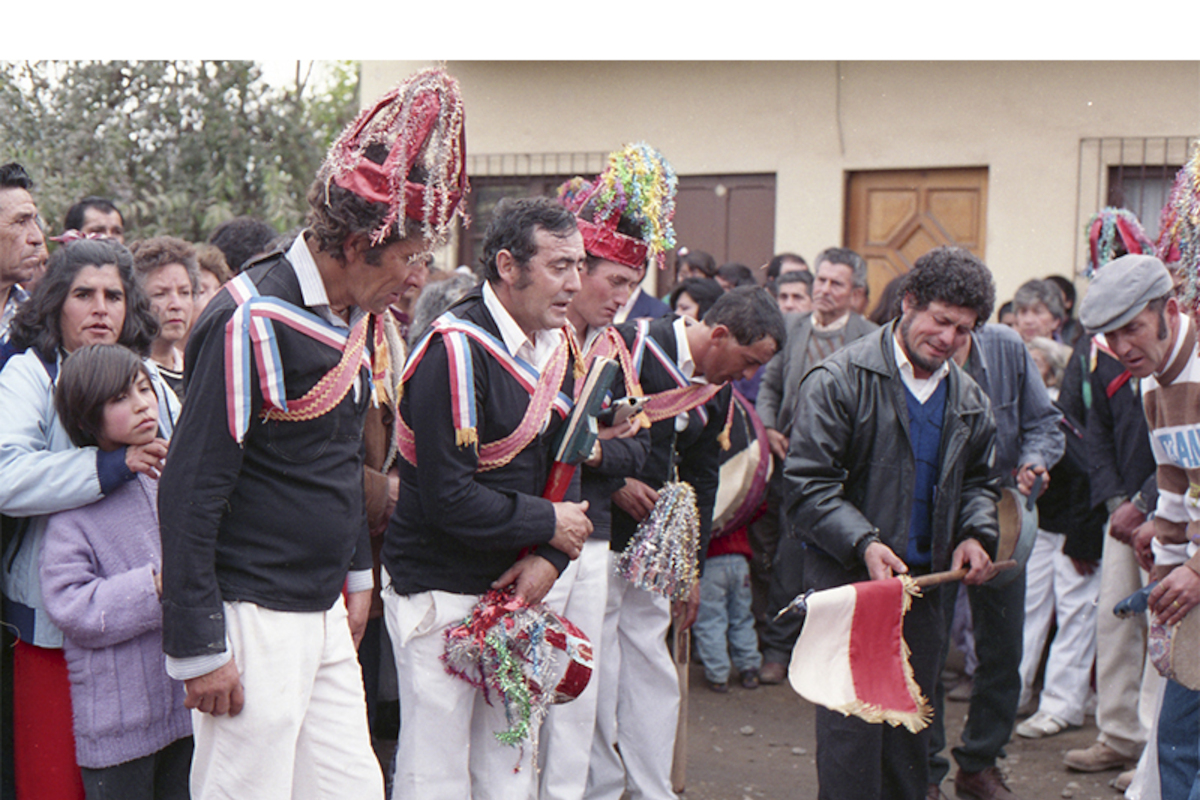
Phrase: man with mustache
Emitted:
{"points": [[22, 244], [888, 473]]}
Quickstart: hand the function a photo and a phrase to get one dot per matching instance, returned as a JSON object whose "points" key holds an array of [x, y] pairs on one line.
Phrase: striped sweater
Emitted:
{"points": [[1172, 403]]}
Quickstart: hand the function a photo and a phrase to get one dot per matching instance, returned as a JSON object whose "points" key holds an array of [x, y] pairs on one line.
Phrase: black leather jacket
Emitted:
{"points": [[850, 470]]}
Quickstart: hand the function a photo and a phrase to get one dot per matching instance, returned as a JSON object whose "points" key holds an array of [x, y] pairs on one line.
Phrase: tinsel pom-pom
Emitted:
{"points": [[522, 655], [661, 556]]}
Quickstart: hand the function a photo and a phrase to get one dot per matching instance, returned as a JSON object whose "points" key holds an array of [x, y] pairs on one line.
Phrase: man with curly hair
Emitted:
{"points": [[889, 473]]}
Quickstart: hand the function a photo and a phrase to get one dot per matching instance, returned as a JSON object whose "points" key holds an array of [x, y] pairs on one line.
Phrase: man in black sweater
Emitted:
{"points": [[479, 410], [638, 706], [261, 501]]}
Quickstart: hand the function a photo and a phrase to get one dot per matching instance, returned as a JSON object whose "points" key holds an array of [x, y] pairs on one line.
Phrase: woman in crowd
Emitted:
{"points": [[87, 297], [166, 269]]}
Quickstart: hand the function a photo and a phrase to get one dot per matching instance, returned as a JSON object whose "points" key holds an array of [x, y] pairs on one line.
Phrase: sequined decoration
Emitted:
{"points": [[661, 556]]}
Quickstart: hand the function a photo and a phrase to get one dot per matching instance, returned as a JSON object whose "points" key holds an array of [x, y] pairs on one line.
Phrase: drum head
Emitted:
{"points": [[1018, 532]]}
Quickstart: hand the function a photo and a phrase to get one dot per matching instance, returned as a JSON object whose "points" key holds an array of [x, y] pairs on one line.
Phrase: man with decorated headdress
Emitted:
{"points": [[484, 393], [1121, 477], [682, 367], [261, 503]]}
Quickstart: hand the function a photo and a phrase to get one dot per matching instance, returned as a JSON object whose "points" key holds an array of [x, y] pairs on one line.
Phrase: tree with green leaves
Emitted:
{"points": [[180, 146]]}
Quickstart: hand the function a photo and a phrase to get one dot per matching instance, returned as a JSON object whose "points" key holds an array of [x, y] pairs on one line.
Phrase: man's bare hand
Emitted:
{"points": [[219, 692], [777, 442], [1085, 568], [882, 563], [1175, 595], [628, 428], [1027, 475], [1124, 522], [358, 608], [685, 611], [1143, 538], [970, 553], [635, 498], [571, 528], [531, 578], [146, 458]]}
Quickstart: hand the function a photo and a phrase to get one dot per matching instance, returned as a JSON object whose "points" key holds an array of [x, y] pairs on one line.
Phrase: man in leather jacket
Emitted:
{"points": [[889, 472]]}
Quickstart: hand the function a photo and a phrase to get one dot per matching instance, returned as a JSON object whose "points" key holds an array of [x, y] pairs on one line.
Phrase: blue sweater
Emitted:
{"points": [[925, 430]]}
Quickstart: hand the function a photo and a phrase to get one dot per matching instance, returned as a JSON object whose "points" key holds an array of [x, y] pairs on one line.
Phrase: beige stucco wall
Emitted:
{"points": [[812, 122]]}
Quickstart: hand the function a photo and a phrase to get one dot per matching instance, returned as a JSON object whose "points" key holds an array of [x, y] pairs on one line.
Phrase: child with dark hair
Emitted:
{"points": [[101, 582]]}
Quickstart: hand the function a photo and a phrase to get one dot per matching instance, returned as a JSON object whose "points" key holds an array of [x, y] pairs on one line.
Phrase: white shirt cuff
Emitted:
{"points": [[359, 580], [182, 669]]}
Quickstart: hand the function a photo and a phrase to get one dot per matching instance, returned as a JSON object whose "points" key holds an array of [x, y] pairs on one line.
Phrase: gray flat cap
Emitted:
{"points": [[1121, 289]]}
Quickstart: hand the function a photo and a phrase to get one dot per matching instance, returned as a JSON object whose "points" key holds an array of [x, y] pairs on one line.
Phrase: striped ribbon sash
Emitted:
{"points": [[544, 389], [250, 335], [672, 402]]}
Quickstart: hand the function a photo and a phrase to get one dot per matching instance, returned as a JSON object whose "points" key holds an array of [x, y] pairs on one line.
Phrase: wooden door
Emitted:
{"points": [[893, 217]]}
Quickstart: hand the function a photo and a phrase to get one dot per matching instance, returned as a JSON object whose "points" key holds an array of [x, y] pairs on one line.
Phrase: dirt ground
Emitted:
{"points": [[761, 743]]}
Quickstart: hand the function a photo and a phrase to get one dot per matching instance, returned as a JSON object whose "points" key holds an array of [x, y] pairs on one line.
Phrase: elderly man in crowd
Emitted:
{"points": [[22, 244]]}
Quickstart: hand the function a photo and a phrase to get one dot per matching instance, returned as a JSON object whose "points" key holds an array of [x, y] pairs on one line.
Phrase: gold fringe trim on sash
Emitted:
{"points": [[466, 436]]}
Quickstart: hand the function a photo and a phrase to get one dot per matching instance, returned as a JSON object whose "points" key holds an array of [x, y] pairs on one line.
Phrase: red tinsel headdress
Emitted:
{"points": [[1108, 228], [420, 122]]}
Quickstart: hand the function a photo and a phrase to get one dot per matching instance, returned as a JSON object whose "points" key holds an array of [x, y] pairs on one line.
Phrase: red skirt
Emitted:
{"points": [[43, 731]]}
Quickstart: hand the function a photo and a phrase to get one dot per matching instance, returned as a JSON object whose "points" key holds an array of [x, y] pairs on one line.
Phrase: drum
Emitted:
{"points": [[1018, 532], [1175, 650], [745, 470]]}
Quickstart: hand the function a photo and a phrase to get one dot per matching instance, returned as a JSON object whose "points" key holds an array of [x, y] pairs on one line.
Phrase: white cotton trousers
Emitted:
{"points": [[637, 709], [1125, 678], [302, 734], [1054, 590], [447, 749], [579, 595]]}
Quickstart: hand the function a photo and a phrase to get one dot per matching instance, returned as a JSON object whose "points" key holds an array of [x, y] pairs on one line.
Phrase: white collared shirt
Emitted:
{"points": [[683, 358], [537, 352], [922, 388]]}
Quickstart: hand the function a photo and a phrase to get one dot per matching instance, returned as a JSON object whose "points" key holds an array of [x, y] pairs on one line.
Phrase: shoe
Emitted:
{"points": [[936, 793], [772, 672], [1097, 758], [750, 679], [1041, 725], [1122, 781], [961, 693], [719, 688], [986, 785]]}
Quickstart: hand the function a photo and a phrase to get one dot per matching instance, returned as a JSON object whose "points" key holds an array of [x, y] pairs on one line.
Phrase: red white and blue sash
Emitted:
{"points": [[544, 388], [250, 335], [672, 402]]}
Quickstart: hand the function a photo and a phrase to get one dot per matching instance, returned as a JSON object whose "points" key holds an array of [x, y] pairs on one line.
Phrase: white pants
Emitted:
{"points": [[303, 731], [1124, 676], [579, 594], [638, 705], [448, 748], [1054, 590]]}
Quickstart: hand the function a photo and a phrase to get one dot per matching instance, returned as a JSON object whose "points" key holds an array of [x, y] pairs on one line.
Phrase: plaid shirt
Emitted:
{"points": [[16, 296]]}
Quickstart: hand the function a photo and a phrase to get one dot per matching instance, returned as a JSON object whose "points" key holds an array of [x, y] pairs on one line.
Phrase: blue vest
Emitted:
{"points": [[925, 429]]}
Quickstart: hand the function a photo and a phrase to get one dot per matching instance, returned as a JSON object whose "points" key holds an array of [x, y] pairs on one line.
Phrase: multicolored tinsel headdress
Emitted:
{"points": [[1178, 243], [420, 123], [1113, 232], [639, 185]]}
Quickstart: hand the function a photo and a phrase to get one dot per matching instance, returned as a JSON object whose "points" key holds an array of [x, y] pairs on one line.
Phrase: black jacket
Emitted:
{"points": [[1118, 442], [850, 471]]}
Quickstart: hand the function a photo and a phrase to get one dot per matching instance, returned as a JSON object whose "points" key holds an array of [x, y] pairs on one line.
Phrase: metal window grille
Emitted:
{"points": [[1127, 172]]}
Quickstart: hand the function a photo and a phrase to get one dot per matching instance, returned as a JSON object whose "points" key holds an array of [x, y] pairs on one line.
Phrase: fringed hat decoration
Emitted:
{"points": [[424, 177], [661, 556], [1178, 244], [1114, 232], [639, 185], [524, 656]]}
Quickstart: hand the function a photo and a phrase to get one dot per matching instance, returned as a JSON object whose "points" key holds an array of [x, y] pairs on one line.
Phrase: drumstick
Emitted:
{"points": [[935, 578]]}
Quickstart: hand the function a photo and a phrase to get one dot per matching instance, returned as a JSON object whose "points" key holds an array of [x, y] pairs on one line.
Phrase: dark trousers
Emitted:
{"points": [[765, 533], [158, 776], [865, 761], [998, 615], [776, 638]]}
